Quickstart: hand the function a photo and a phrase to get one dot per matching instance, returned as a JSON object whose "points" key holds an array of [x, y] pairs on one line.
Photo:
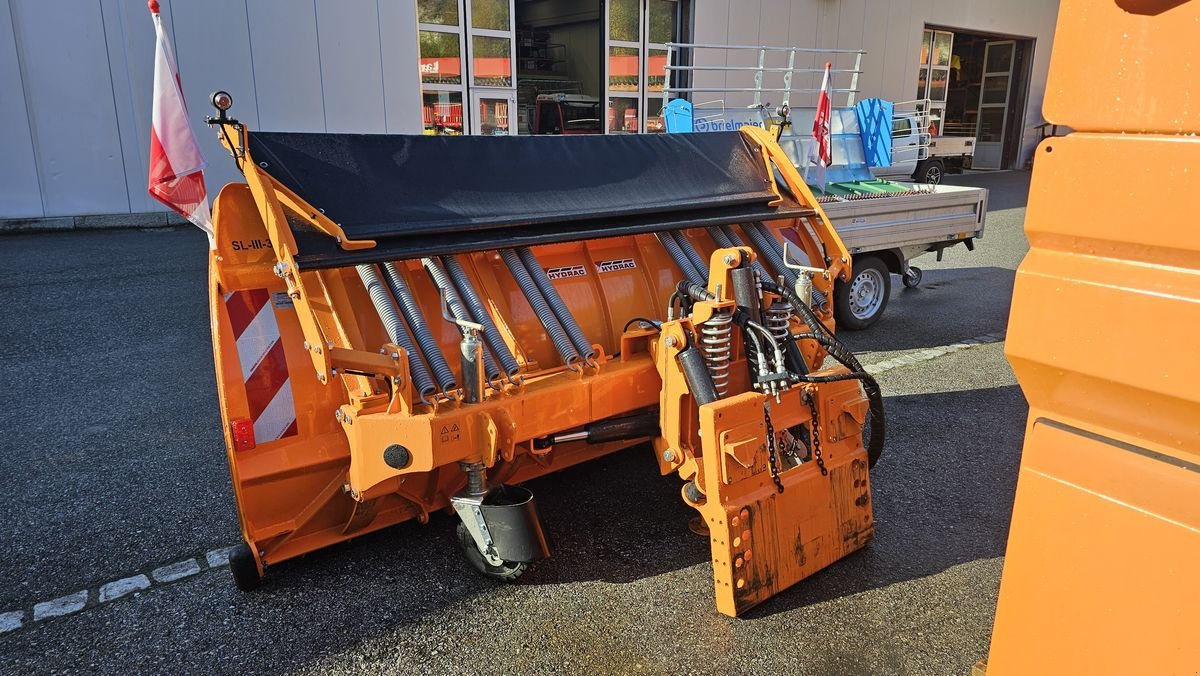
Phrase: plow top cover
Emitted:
{"points": [[424, 195]]}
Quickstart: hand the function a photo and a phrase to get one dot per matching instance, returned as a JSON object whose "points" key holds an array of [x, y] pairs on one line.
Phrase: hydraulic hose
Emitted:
{"points": [[821, 334], [459, 311], [420, 328], [560, 309], [690, 251], [766, 242], [541, 308], [394, 325], [726, 238], [474, 304], [680, 258]]}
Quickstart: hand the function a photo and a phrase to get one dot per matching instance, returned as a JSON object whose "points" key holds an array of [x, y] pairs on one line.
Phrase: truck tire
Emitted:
{"points": [[860, 302], [930, 171]]}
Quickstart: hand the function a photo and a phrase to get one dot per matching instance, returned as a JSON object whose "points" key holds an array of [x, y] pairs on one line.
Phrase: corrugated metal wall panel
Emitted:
{"points": [[69, 94], [351, 65], [401, 77], [129, 30], [214, 53], [20, 193], [287, 65]]}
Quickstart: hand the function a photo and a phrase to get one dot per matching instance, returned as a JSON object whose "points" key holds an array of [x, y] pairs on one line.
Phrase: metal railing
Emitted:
{"points": [[918, 109], [681, 62]]}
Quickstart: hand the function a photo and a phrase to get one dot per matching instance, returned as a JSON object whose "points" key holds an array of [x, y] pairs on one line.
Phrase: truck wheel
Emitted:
{"points": [[930, 171], [506, 571], [859, 302], [912, 278], [244, 569]]}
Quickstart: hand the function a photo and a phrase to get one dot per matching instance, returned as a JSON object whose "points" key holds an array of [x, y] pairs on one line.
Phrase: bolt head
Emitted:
{"points": [[671, 341], [668, 455], [729, 259]]}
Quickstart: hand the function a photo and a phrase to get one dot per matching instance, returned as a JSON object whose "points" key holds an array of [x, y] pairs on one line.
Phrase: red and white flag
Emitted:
{"points": [[820, 149], [176, 165]]}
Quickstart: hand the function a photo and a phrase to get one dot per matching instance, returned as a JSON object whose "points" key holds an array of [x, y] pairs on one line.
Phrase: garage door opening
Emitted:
{"points": [[587, 67], [977, 85], [558, 60]]}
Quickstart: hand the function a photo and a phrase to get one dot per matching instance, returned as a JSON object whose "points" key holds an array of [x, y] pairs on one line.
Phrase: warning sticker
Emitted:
{"points": [[613, 266], [451, 433], [566, 271], [282, 300]]}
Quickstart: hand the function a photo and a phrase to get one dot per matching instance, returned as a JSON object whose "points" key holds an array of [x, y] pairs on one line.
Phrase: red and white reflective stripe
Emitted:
{"points": [[264, 367]]}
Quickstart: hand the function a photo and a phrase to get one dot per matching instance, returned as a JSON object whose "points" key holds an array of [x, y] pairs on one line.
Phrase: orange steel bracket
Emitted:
{"points": [[763, 540], [1100, 575], [776, 159]]}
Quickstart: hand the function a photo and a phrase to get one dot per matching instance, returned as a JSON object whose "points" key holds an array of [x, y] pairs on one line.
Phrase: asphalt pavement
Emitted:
{"points": [[113, 466]]}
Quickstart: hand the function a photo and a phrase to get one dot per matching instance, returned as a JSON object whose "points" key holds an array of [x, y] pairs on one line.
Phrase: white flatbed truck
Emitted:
{"points": [[884, 232]]}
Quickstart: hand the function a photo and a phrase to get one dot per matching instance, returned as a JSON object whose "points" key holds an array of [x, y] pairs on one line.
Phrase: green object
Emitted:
{"points": [[877, 185]]}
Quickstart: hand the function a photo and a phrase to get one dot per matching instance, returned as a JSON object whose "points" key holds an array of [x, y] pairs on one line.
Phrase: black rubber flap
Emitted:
{"points": [[386, 186]]}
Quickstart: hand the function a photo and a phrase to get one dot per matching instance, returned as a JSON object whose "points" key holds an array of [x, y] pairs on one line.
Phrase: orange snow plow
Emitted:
{"points": [[404, 324]]}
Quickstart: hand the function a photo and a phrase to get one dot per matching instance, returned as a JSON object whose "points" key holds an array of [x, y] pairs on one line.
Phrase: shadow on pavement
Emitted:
{"points": [[943, 493], [951, 304], [1006, 189], [938, 503]]}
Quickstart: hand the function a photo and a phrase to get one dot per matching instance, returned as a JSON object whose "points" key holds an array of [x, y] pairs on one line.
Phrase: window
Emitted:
{"points": [[901, 126], [491, 61], [464, 45], [441, 12], [442, 112], [933, 73], [492, 41], [637, 35], [441, 60], [440, 41]]}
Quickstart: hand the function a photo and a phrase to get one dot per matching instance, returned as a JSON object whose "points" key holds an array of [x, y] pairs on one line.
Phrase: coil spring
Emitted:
{"points": [[779, 317], [716, 343]]}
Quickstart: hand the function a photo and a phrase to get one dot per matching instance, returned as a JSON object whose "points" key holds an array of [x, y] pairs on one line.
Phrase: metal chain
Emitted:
{"points": [[816, 433], [771, 448]]}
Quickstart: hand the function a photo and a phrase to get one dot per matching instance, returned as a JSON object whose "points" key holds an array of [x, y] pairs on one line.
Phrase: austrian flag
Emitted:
{"points": [[176, 165], [820, 149]]}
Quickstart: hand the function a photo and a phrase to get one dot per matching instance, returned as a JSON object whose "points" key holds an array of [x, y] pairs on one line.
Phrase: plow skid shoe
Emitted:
{"points": [[763, 540]]}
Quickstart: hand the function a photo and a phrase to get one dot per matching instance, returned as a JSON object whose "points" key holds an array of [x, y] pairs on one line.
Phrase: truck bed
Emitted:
{"points": [[952, 146], [949, 213]]}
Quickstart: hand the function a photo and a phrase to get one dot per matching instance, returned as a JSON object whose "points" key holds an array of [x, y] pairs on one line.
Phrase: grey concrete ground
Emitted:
{"points": [[112, 465]]}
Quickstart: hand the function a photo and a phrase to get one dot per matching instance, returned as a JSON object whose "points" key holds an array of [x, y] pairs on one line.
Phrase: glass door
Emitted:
{"points": [[466, 55], [491, 43], [636, 33], [443, 77], [994, 93], [493, 113], [933, 75]]}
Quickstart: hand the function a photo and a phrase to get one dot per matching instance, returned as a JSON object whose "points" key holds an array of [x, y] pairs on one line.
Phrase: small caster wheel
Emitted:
{"points": [[912, 278], [507, 571], [244, 568]]}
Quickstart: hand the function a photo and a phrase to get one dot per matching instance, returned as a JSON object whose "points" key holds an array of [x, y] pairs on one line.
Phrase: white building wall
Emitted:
{"points": [[76, 80], [76, 85], [890, 31]]}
